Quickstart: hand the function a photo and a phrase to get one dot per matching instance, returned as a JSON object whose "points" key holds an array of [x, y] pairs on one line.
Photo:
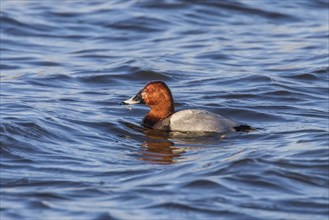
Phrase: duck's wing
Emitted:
{"points": [[192, 120]]}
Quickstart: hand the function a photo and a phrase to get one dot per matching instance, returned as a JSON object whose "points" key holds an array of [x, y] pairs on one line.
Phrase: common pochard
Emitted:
{"points": [[162, 115]]}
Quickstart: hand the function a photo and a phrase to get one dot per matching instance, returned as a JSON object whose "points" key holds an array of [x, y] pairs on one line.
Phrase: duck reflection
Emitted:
{"points": [[160, 152], [158, 149]]}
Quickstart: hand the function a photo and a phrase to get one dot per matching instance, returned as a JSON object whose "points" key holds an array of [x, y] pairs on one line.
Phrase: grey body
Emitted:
{"points": [[194, 120]]}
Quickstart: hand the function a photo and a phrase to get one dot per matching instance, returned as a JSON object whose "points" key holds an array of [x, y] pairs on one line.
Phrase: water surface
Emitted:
{"points": [[70, 151]]}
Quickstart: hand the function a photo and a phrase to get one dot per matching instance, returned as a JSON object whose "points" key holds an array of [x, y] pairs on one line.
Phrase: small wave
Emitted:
{"points": [[66, 143]]}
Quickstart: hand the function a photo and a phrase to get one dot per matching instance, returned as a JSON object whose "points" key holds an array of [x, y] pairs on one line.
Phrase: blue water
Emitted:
{"points": [[70, 151]]}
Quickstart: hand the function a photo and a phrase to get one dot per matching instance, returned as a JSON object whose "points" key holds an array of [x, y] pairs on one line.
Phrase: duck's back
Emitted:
{"points": [[194, 120]]}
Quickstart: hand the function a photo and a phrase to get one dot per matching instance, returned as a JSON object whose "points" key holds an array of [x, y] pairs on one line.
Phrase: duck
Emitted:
{"points": [[162, 115]]}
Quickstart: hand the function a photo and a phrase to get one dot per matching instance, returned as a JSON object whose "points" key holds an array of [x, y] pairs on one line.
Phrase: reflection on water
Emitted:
{"points": [[157, 147], [163, 152]]}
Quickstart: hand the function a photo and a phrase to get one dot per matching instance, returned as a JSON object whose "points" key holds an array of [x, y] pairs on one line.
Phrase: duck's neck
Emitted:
{"points": [[157, 114]]}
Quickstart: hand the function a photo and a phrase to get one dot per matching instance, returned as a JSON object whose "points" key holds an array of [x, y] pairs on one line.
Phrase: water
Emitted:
{"points": [[70, 151]]}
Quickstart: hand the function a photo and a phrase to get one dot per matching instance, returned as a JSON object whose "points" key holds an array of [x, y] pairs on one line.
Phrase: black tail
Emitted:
{"points": [[244, 128]]}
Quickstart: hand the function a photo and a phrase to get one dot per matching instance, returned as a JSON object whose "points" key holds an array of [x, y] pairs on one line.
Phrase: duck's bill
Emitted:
{"points": [[130, 101], [137, 99]]}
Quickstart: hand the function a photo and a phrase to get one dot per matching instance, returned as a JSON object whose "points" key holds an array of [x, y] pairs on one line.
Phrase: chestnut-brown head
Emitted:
{"points": [[158, 97]]}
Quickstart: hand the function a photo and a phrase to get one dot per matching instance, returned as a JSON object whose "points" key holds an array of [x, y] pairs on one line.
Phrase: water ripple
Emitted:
{"points": [[66, 143]]}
